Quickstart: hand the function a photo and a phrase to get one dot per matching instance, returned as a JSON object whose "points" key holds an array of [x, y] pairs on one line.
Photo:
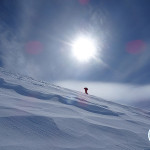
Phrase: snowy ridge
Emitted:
{"points": [[35, 115]]}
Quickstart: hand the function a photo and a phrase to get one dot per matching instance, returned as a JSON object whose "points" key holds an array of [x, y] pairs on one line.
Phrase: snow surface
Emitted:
{"points": [[36, 115]]}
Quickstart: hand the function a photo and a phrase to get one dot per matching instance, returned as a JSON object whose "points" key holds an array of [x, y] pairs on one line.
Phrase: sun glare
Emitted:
{"points": [[84, 48]]}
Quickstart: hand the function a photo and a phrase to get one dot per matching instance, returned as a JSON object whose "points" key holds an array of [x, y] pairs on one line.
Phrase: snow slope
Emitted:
{"points": [[35, 115]]}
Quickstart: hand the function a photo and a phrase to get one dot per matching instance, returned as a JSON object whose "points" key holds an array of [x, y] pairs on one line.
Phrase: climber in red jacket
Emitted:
{"points": [[86, 90]]}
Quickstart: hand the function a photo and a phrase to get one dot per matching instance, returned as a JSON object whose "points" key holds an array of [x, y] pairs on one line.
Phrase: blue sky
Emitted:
{"points": [[35, 37]]}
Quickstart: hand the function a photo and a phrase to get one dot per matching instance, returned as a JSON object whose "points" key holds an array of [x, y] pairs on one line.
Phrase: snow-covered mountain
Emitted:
{"points": [[36, 115]]}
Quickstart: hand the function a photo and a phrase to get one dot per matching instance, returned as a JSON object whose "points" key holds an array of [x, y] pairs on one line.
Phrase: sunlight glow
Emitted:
{"points": [[84, 48]]}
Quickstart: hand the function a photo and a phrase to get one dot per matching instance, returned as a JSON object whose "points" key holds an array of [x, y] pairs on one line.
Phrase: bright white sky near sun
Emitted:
{"points": [[84, 48]]}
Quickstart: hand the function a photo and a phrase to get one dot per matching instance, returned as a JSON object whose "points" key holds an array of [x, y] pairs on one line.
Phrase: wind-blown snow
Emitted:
{"points": [[36, 115]]}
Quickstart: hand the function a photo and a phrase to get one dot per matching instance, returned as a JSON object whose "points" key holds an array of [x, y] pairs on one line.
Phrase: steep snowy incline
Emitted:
{"points": [[35, 115]]}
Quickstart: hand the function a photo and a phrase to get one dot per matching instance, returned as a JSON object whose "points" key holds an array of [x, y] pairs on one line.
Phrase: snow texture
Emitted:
{"points": [[36, 115]]}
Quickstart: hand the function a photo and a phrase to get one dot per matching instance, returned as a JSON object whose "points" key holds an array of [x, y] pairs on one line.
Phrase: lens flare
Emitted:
{"points": [[34, 47], [84, 2], [135, 47]]}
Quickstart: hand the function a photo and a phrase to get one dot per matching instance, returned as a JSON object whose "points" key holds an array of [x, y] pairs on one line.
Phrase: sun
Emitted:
{"points": [[84, 48]]}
